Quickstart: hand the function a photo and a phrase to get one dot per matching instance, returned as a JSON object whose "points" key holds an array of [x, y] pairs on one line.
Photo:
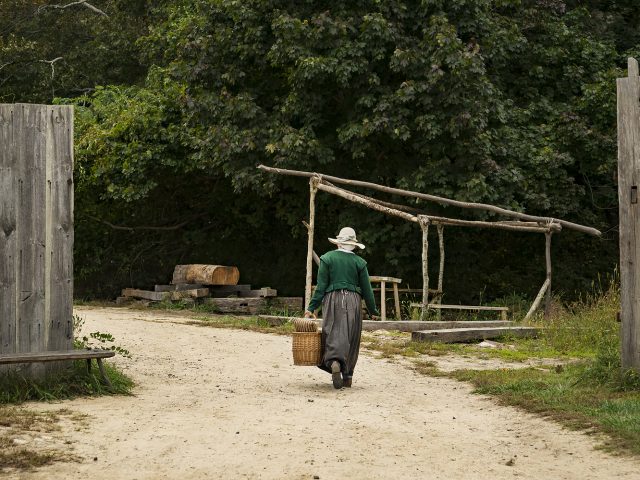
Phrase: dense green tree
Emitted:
{"points": [[510, 102], [50, 49]]}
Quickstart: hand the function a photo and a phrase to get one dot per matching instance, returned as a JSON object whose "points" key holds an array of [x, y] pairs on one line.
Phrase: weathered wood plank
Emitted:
{"points": [[8, 232], [238, 305], [178, 287], [293, 304], [165, 296], [54, 356], [59, 226], [206, 274], [30, 144], [454, 335], [262, 292], [629, 214]]}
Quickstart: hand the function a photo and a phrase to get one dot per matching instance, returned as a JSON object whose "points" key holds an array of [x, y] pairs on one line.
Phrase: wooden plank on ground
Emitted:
{"points": [[453, 335], [262, 292], [206, 274], [165, 296], [403, 325], [238, 305], [286, 304]]}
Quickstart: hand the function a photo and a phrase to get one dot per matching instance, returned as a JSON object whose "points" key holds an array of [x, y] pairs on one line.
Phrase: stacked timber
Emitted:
{"points": [[216, 286]]}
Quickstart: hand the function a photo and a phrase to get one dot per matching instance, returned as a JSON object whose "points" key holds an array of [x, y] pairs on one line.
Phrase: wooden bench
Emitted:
{"points": [[396, 296], [56, 356], [503, 310]]}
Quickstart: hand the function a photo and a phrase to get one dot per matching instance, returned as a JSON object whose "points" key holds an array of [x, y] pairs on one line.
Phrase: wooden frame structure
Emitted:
{"points": [[522, 223]]}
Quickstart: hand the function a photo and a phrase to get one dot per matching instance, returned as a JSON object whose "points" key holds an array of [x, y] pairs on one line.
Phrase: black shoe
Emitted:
{"points": [[336, 376], [346, 381]]}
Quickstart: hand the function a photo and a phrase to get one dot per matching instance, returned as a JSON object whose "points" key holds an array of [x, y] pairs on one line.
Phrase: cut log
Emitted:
{"points": [[205, 274], [160, 296], [454, 335]]}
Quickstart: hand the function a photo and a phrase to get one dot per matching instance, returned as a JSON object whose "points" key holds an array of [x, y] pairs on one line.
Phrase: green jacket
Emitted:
{"points": [[341, 270]]}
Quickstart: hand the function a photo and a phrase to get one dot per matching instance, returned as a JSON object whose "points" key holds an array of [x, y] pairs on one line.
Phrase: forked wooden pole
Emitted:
{"points": [[441, 244], [441, 270], [313, 188], [547, 302], [424, 225]]}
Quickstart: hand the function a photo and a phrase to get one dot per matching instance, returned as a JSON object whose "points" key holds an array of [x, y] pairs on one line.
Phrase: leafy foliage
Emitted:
{"points": [[510, 102]]}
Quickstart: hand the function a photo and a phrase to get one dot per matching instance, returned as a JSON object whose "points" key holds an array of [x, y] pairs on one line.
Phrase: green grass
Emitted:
{"points": [[74, 382], [572, 395], [254, 324]]}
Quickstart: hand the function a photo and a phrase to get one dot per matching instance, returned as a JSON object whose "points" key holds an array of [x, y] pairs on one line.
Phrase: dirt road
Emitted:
{"points": [[213, 403]]}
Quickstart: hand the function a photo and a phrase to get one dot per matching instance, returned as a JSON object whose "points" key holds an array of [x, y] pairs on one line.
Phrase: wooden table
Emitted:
{"points": [[396, 296]]}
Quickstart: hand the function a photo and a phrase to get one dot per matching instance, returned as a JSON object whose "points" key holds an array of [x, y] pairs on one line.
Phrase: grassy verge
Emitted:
{"points": [[74, 382], [591, 392], [254, 324], [573, 395]]}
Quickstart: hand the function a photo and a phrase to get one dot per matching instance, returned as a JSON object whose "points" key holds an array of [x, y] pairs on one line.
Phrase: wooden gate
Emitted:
{"points": [[36, 228]]}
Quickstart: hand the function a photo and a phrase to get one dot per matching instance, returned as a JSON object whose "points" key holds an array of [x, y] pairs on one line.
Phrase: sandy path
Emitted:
{"points": [[213, 403]]}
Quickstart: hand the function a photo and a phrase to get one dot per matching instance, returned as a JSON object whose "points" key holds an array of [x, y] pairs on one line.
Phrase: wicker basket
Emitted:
{"points": [[307, 348]]}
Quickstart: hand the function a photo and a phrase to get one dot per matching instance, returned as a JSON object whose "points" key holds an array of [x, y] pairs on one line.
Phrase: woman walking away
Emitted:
{"points": [[343, 279]]}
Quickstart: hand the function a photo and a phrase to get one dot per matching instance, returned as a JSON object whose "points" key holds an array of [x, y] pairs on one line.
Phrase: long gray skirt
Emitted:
{"points": [[341, 329]]}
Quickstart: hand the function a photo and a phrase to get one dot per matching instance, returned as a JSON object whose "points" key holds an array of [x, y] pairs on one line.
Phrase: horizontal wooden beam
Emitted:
{"points": [[367, 203], [435, 198], [462, 307]]}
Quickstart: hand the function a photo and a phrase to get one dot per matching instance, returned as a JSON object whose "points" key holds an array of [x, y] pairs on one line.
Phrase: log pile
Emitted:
{"points": [[216, 286]]}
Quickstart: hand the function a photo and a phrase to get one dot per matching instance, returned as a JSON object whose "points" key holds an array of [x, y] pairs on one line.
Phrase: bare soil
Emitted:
{"points": [[219, 403]]}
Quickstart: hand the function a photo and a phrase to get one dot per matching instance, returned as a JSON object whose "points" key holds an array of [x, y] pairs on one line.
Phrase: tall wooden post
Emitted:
{"points": [[36, 229], [547, 252], [424, 225], [313, 188], [628, 180], [441, 270]]}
